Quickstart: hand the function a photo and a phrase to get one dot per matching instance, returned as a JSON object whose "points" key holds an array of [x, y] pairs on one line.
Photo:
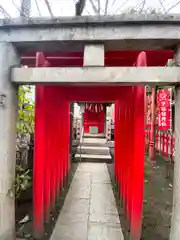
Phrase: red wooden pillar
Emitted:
{"points": [[126, 152], [68, 136], [58, 146], [48, 146], [120, 150], [58, 139], [126, 158], [63, 144], [145, 120], [145, 107], [138, 166], [63, 151], [54, 148], [45, 161], [38, 172], [163, 151], [117, 146], [130, 151], [138, 157], [123, 152], [39, 155], [153, 120], [172, 147], [63, 134], [167, 144], [129, 154], [67, 127]]}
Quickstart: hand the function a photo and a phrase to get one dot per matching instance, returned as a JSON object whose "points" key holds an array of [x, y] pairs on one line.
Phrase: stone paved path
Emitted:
{"points": [[89, 211]]}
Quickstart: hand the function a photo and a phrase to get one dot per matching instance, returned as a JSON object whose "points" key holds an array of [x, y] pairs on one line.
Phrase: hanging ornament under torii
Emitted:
{"points": [[94, 107]]}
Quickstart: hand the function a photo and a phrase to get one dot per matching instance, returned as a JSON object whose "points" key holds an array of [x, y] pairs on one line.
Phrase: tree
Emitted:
{"points": [[80, 7], [25, 111], [25, 128], [99, 7]]}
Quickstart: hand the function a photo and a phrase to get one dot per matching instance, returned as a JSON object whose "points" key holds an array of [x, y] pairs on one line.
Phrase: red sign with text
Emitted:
{"points": [[148, 119], [164, 108]]}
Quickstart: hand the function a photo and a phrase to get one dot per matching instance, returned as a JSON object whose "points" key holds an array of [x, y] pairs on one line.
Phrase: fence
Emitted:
{"points": [[164, 143]]}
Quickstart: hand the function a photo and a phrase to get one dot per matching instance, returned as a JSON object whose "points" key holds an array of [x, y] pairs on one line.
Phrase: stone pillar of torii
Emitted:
{"points": [[175, 222]]}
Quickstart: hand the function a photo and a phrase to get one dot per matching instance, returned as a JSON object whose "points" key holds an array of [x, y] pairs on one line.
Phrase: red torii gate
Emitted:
{"points": [[51, 159]]}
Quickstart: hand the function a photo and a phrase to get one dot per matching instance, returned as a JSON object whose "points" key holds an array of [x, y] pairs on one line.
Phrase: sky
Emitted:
{"points": [[66, 7]]}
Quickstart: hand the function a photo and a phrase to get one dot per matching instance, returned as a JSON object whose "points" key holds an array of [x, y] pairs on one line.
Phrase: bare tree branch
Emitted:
{"points": [[106, 7], [17, 7], [142, 7], [162, 5], [80, 7], [25, 8], [49, 7], [87, 12], [94, 7], [122, 5], [4, 12], [99, 6], [114, 1], [37, 6], [173, 6]]}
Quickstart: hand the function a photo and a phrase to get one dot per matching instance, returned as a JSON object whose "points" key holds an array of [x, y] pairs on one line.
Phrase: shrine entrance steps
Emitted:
{"points": [[89, 211], [93, 149], [94, 135]]}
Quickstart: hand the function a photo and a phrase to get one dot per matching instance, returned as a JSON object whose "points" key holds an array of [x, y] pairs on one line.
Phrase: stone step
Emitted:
{"points": [[93, 149], [93, 158], [94, 135], [94, 142]]}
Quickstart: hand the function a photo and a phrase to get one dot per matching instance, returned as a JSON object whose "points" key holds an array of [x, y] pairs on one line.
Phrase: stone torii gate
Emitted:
{"points": [[92, 36]]}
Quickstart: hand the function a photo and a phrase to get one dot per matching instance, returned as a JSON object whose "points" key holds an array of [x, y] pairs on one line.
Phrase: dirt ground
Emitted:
{"points": [[157, 200], [24, 208]]}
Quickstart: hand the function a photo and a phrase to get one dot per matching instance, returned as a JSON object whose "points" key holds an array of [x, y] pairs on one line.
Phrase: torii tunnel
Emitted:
{"points": [[52, 131]]}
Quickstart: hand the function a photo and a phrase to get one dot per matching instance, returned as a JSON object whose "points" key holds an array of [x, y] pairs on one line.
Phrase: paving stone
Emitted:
{"points": [[75, 210], [102, 199], [95, 141], [100, 178], [85, 175], [89, 211], [103, 232], [84, 167], [103, 218], [92, 167], [71, 231], [81, 186]]}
